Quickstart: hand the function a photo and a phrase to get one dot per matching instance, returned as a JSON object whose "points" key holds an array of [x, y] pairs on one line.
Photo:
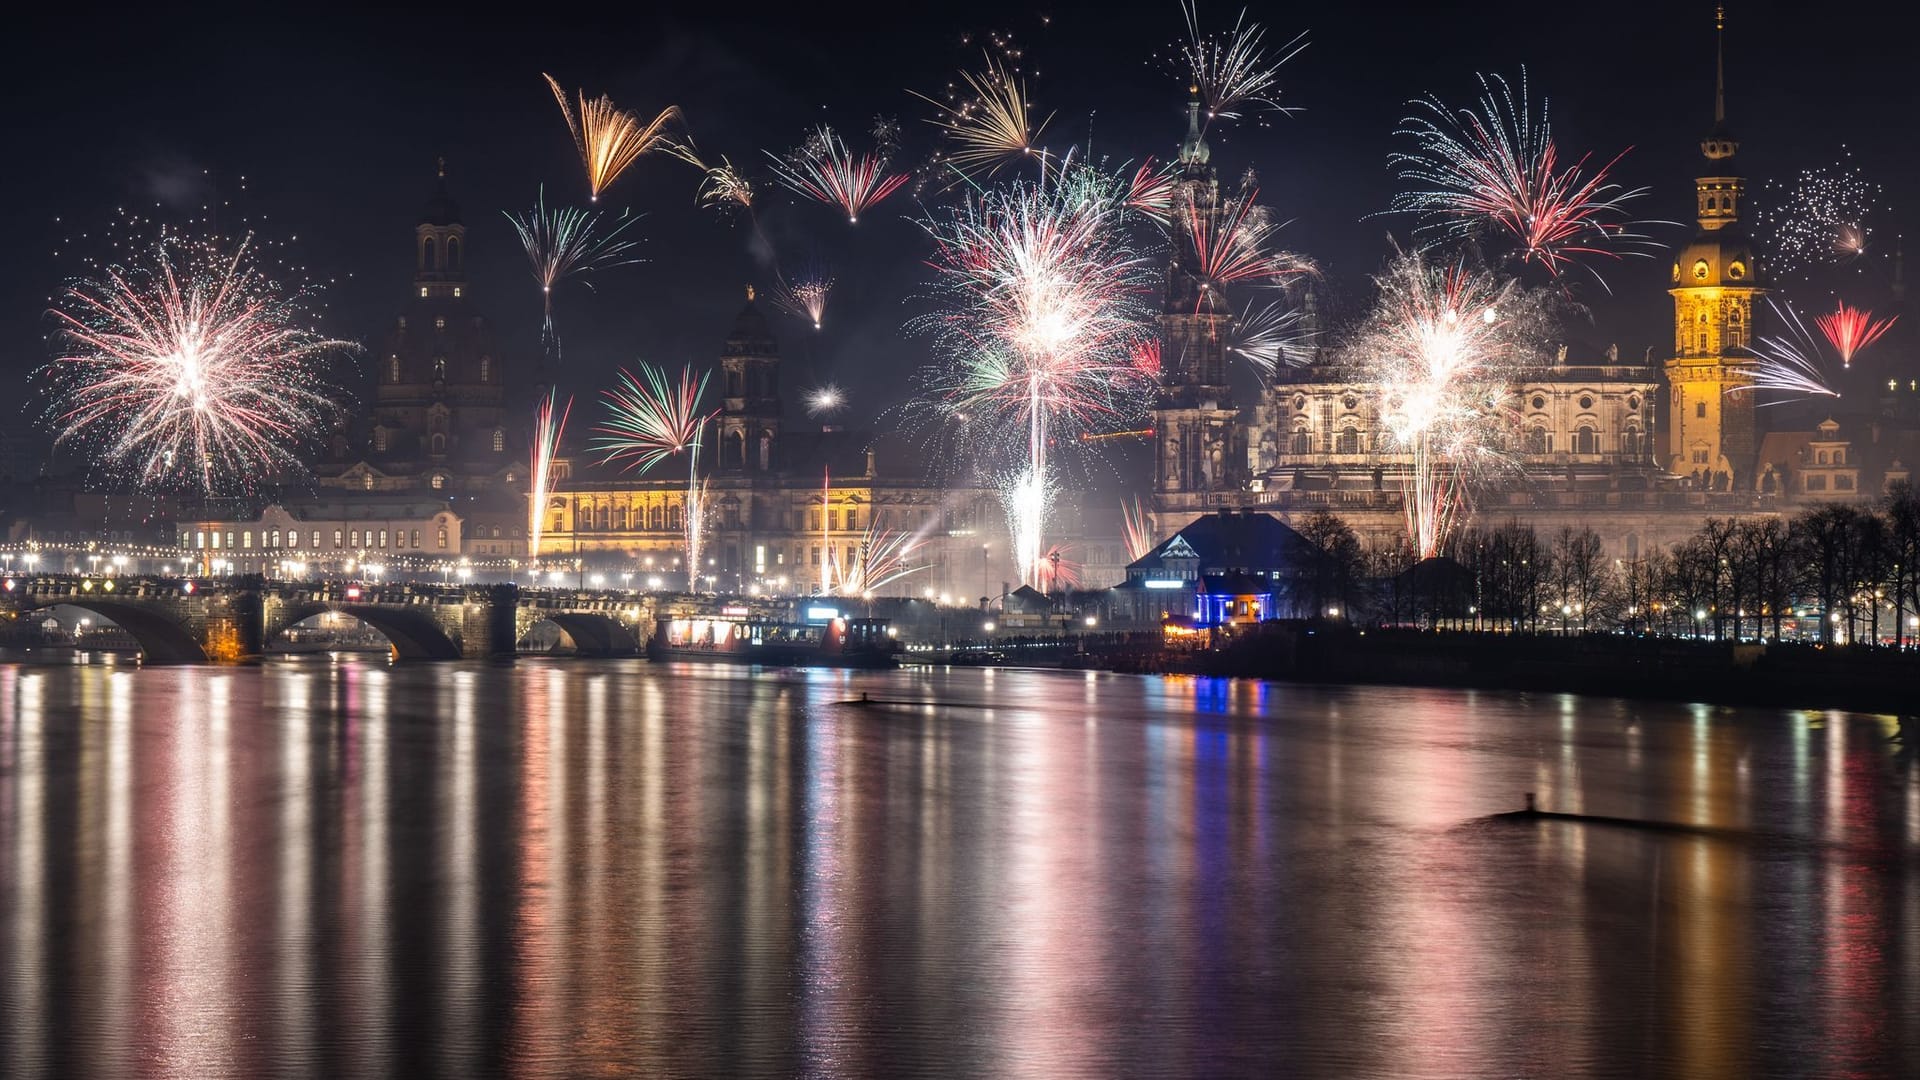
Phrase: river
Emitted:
{"points": [[571, 868]]}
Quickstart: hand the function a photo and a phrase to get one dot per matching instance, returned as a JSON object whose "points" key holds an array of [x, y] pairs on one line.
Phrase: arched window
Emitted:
{"points": [[657, 518], [275, 542], [426, 254], [499, 439], [1538, 441], [443, 537], [620, 518], [1349, 441], [1699, 410], [1586, 440], [380, 439], [486, 368], [606, 517], [1630, 442], [393, 369], [453, 253], [439, 480], [439, 445], [1301, 443], [440, 369]]}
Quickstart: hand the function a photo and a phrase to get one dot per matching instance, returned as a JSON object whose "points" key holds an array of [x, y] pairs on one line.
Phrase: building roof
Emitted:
{"points": [[1231, 541], [440, 208]]}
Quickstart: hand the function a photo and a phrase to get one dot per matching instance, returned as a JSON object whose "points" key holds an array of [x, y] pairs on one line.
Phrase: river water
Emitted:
{"points": [[572, 868]]}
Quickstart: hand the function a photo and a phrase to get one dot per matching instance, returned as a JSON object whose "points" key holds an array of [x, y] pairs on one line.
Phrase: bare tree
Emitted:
{"points": [[1901, 509]]}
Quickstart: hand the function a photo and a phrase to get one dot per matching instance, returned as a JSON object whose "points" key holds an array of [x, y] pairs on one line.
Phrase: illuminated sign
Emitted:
{"points": [[353, 592], [822, 614], [1163, 583], [736, 610]]}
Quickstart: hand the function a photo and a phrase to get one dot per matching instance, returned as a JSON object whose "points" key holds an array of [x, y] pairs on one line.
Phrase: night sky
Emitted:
{"points": [[335, 122]]}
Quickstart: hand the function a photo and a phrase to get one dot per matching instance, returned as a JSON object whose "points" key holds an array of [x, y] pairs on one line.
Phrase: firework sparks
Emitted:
{"points": [[1444, 345], [1851, 329], [824, 169], [1272, 336], [1151, 193], [1790, 360], [1045, 328], [825, 400], [1498, 168], [1236, 245], [1235, 71], [1821, 218], [1138, 528], [990, 125], [610, 139], [881, 558], [549, 424], [805, 297], [726, 189], [565, 243], [653, 419], [188, 366]]}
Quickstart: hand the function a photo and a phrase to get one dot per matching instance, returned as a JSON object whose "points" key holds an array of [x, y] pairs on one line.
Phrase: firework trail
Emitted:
{"points": [[1138, 528], [1272, 336], [564, 243], [1444, 345], [991, 125], [1851, 329], [549, 425], [1057, 571], [805, 297], [825, 400], [1045, 319], [1151, 193], [1789, 361], [1497, 168], [187, 366], [1821, 218], [882, 560], [1235, 246], [610, 139], [1234, 71], [652, 419], [726, 189], [824, 169]]}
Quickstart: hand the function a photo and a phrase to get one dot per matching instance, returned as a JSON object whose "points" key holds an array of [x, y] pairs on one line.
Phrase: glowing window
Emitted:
{"points": [[1700, 270]]}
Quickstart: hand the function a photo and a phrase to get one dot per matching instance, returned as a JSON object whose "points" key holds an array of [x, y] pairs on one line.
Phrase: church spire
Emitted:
{"points": [[1719, 66], [1193, 149]]}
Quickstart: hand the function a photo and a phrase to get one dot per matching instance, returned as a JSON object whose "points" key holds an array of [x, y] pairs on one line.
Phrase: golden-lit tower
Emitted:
{"points": [[1716, 279]]}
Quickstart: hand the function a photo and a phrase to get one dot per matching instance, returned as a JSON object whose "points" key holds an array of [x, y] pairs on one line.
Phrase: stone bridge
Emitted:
{"points": [[197, 620]]}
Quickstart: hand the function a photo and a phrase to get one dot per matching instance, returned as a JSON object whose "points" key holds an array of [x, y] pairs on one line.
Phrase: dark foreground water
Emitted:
{"points": [[572, 869]]}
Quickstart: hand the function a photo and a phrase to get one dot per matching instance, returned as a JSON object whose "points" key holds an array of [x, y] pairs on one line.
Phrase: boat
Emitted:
{"points": [[747, 639]]}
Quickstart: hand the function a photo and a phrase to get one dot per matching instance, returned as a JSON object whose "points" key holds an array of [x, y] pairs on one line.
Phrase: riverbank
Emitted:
{"points": [[1721, 673]]}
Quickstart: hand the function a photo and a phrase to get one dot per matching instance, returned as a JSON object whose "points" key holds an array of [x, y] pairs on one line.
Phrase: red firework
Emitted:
{"points": [[1851, 329]]}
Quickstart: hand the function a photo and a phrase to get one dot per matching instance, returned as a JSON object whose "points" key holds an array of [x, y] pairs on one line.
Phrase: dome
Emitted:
{"points": [[1722, 257]]}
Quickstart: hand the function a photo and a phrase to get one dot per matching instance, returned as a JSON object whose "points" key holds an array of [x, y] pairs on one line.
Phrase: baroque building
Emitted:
{"points": [[438, 417]]}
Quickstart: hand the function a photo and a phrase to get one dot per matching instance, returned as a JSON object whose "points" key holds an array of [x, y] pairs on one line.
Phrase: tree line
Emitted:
{"points": [[1851, 568]]}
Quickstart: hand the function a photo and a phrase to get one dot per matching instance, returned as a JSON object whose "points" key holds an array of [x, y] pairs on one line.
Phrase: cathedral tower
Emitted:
{"points": [[1716, 279], [1194, 421], [749, 393]]}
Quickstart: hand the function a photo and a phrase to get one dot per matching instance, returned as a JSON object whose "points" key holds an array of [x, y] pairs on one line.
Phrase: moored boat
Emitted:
{"points": [[746, 639]]}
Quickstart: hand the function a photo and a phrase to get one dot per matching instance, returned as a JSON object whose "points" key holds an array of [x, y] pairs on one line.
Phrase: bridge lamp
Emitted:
{"points": [[465, 573], [988, 628], [1091, 622], [653, 583], [599, 580], [555, 576], [32, 559], [119, 563]]}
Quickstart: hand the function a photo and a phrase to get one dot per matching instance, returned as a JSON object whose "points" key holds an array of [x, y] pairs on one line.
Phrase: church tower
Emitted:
{"points": [[1194, 420], [439, 404], [749, 393], [1716, 279]]}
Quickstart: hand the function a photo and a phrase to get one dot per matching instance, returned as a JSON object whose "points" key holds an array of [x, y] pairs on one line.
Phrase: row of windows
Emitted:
{"points": [[439, 368], [1586, 440], [342, 538]]}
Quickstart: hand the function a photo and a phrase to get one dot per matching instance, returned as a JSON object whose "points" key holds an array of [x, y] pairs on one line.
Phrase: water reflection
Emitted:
{"points": [[572, 868]]}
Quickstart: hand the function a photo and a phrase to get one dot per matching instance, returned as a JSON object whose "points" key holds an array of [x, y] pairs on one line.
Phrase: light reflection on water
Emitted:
{"points": [[556, 869]]}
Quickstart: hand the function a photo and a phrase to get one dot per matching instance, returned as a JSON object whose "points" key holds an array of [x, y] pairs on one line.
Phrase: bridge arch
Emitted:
{"points": [[414, 634], [161, 639], [594, 634]]}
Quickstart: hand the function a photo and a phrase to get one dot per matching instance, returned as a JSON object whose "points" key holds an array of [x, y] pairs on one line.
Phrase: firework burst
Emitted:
{"points": [[1822, 218], [1445, 345], [610, 139], [652, 419], [825, 400], [1138, 529], [1236, 246], [989, 125], [1151, 193], [1497, 168], [1271, 336], [1235, 71], [549, 425], [805, 297], [567, 243], [725, 189], [824, 169], [186, 366], [1851, 329], [881, 558], [1790, 361], [1046, 319]]}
